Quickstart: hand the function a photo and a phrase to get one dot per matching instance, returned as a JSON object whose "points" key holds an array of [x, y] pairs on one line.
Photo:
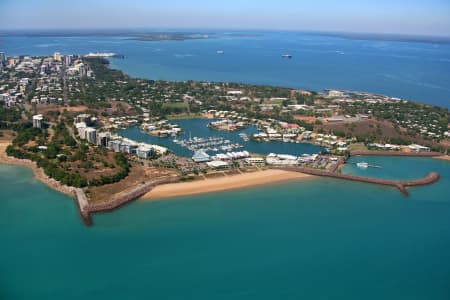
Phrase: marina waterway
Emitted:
{"points": [[198, 128]]}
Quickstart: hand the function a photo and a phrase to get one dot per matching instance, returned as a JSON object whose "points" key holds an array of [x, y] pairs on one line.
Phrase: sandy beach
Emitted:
{"points": [[443, 157], [38, 172], [222, 184], [175, 189]]}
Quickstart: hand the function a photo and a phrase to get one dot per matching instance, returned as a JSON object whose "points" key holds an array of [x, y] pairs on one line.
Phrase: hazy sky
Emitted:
{"points": [[430, 17]]}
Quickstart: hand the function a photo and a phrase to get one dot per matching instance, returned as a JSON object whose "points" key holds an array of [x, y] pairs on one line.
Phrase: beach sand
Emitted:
{"points": [[443, 157], [222, 184]]}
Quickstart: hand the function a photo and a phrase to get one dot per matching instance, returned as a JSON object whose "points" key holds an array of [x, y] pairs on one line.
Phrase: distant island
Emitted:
{"points": [[388, 37], [169, 36], [151, 36]]}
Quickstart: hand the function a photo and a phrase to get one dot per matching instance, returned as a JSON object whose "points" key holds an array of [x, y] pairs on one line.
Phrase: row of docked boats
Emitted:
{"points": [[209, 144], [244, 136]]}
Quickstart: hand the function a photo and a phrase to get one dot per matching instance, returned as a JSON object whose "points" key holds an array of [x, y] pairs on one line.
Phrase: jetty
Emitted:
{"points": [[395, 153], [83, 206], [401, 185], [86, 209]]}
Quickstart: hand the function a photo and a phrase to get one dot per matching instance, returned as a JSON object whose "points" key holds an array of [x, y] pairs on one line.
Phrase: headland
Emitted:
{"points": [[39, 173], [71, 136]]}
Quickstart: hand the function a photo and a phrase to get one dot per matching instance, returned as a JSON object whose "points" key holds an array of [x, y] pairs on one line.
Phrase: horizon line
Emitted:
{"points": [[213, 29]]}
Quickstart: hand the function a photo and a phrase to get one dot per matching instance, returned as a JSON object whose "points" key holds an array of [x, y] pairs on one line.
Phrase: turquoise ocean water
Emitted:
{"points": [[312, 239]]}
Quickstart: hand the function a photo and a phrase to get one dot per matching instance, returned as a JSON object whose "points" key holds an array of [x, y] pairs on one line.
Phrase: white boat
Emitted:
{"points": [[220, 52], [362, 165]]}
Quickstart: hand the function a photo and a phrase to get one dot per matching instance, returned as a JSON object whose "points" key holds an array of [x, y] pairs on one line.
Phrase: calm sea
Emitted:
{"points": [[409, 70], [314, 239]]}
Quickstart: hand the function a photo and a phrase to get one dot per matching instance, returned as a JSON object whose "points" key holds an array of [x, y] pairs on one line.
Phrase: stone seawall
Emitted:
{"points": [[395, 153], [334, 167], [82, 204], [399, 184], [118, 200]]}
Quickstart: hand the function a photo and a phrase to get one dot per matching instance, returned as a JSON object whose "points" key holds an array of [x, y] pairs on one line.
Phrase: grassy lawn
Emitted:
{"points": [[276, 101], [181, 105], [185, 116], [357, 147]]}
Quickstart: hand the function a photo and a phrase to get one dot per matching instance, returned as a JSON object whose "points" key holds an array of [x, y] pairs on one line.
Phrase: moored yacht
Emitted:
{"points": [[362, 165]]}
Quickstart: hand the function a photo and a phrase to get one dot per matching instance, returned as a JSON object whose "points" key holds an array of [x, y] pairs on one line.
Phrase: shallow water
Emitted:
{"points": [[313, 239]]}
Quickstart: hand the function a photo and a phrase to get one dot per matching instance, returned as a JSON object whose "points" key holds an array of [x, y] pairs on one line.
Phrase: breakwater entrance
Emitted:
{"points": [[395, 153], [401, 185]]}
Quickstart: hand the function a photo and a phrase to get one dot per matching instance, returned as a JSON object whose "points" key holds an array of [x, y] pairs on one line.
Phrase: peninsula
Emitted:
{"points": [[62, 116]]}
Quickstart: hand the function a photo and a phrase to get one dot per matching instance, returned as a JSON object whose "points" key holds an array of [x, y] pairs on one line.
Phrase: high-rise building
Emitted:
{"points": [[103, 139], [57, 56], [2, 57], [83, 118], [12, 61], [82, 70], [68, 60], [91, 135], [37, 121], [81, 127]]}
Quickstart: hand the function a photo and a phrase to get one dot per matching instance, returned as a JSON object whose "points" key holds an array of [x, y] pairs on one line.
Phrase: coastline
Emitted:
{"points": [[179, 189], [443, 157], [225, 183], [38, 172]]}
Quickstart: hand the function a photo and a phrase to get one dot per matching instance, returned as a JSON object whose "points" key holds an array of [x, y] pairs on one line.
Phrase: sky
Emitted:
{"points": [[417, 17]]}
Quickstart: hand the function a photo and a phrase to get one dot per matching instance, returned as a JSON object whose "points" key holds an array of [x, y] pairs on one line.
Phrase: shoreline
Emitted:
{"points": [[37, 172], [443, 157], [207, 185], [226, 183], [172, 187]]}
